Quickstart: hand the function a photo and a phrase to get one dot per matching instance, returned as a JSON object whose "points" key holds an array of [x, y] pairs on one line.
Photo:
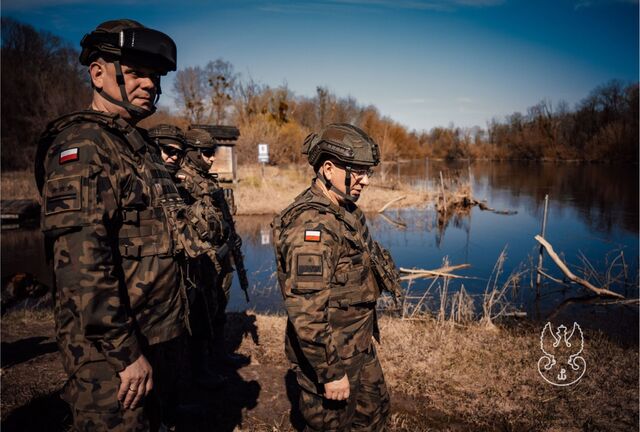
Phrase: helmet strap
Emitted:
{"points": [[136, 112], [347, 182]]}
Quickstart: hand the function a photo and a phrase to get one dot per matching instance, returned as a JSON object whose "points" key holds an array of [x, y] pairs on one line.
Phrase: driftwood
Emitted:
{"points": [[562, 266], [397, 224], [384, 207], [441, 272]]}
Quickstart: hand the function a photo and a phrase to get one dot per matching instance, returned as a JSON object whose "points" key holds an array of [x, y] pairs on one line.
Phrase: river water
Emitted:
{"points": [[593, 212]]}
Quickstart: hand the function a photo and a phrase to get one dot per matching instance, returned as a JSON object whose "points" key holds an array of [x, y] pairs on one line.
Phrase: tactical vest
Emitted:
{"points": [[350, 282], [208, 194], [149, 215]]}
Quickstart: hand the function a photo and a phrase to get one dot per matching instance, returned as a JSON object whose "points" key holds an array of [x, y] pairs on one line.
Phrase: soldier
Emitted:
{"points": [[171, 142], [331, 273], [109, 206], [195, 179]]}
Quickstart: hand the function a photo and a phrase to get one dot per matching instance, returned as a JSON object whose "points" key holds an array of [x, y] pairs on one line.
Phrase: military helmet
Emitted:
{"points": [[131, 40], [200, 139], [168, 135], [345, 142]]}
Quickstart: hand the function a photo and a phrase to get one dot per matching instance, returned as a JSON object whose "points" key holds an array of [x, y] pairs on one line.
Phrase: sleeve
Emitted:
{"points": [[311, 255], [79, 206]]}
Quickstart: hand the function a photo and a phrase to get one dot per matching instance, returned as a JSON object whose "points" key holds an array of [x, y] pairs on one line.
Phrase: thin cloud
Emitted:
{"points": [[15, 5], [464, 100], [414, 101], [583, 4]]}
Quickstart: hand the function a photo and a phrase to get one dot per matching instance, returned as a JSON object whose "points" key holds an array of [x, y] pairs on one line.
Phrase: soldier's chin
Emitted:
{"points": [[355, 196]]}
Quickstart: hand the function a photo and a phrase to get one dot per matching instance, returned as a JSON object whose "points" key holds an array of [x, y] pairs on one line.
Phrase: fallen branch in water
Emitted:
{"points": [[562, 266], [484, 206], [441, 272], [384, 207], [397, 224]]}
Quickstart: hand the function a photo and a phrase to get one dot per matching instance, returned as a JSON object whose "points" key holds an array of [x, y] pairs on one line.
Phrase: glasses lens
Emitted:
{"points": [[208, 152], [362, 172], [171, 151]]}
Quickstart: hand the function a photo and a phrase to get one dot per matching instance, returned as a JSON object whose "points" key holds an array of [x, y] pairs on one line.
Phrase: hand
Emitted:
{"points": [[337, 390], [137, 382]]}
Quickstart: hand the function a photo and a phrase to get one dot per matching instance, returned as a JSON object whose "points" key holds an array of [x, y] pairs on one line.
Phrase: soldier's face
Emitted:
{"points": [[208, 156], [141, 85], [171, 156], [337, 175]]}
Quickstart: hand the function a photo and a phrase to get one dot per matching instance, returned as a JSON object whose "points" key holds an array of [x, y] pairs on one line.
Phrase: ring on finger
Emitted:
{"points": [[133, 390]]}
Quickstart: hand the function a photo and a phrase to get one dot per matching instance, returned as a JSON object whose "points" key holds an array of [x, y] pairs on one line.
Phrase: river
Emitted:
{"points": [[593, 212]]}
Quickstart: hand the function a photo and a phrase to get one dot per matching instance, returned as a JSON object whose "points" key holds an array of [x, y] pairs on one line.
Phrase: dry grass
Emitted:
{"points": [[270, 194], [18, 185], [441, 377], [257, 194]]}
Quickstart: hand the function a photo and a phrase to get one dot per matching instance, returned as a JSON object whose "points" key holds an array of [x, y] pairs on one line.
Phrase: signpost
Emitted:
{"points": [[263, 155]]}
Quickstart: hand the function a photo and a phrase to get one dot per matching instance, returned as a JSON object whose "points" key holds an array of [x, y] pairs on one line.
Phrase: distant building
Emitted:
{"points": [[226, 164]]}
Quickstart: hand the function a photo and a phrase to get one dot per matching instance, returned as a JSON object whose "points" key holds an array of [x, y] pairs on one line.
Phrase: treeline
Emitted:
{"points": [[602, 127], [42, 79]]}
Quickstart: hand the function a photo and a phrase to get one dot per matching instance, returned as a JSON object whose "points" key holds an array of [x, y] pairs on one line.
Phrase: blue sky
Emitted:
{"points": [[424, 63]]}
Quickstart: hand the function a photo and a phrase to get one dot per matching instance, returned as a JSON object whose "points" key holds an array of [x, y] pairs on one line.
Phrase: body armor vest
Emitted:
{"points": [[149, 208], [351, 282]]}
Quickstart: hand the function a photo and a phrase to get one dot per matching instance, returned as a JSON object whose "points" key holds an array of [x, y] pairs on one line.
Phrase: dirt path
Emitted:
{"points": [[440, 377]]}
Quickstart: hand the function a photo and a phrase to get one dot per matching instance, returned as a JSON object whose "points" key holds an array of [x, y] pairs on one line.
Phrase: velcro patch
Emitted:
{"points": [[309, 265], [312, 235], [63, 194], [69, 155]]}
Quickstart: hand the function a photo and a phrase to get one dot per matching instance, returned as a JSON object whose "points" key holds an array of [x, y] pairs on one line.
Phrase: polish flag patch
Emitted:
{"points": [[69, 155], [312, 235]]}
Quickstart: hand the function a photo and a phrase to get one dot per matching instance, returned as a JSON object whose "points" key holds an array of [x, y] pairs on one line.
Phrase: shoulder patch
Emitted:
{"points": [[312, 235], [63, 194], [69, 155], [309, 265]]}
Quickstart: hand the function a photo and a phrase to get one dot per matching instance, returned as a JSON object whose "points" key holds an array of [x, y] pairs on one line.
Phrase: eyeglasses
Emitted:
{"points": [[360, 173], [208, 152], [172, 151]]}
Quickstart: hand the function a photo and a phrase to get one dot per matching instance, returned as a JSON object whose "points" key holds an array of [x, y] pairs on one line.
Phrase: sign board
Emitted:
{"points": [[263, 153], [265, 235]]}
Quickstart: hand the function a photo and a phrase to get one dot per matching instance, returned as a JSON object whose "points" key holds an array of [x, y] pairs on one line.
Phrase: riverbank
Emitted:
{"points": [[441, 377], [258, 194]]}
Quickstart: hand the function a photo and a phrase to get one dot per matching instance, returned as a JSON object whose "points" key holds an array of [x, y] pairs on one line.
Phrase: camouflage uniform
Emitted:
{"points": [[109, 209], [330, 292], [201, 191]]}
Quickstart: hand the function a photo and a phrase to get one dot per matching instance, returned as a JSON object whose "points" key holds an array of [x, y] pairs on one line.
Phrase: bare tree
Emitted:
{"points": [[190, 90], [222, 81], [41, 80]]}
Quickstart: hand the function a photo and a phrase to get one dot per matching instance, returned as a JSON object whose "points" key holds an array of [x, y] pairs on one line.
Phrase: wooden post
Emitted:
{"points": [[444, 198], [544, 228], [426, 175]]}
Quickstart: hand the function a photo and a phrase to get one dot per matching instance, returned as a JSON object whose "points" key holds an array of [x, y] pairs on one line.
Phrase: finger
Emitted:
{"points": [[130, 395], [141, 392], [149, 384], [124, 388]]}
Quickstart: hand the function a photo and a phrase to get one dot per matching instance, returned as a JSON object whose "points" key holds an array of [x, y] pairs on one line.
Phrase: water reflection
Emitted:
{"points": [[593, 211], [605, 196]]}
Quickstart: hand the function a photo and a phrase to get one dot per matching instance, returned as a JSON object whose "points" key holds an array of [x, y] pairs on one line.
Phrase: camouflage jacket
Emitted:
{"points": [[200, 193], [110, 216], [326, 278]]}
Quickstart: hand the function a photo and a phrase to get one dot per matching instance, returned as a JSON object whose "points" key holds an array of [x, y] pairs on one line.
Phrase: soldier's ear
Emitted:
{"points": [[328, 169], [97, 71]]}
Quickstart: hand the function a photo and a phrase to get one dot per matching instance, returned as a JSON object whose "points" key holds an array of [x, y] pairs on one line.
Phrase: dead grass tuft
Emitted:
{"points": [[18, 185]]}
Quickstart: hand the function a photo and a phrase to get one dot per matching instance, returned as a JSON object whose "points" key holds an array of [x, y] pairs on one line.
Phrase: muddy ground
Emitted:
{"points": [[441, 377]]}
